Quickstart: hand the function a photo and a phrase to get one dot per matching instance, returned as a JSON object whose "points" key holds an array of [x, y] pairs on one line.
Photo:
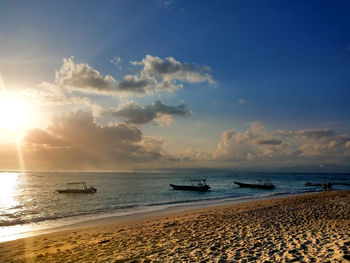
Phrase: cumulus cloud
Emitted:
{"points": [[77, 141], [44, 139], [168, 72], [253, 144], [155, 75], [84, 78], [50, 98], [48, 93], [171, 69], [157, 113], [258, 145], [134, 84]]}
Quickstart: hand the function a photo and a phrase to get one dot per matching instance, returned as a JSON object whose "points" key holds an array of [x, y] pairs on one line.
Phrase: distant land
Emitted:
{"points": [[323, 168]]}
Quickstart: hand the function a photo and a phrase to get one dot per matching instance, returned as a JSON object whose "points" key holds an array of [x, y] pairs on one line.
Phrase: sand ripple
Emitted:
{"points": [[310, 228]]}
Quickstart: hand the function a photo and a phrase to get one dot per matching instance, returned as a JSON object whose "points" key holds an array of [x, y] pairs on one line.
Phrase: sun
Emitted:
{"points": [[14, 116]]}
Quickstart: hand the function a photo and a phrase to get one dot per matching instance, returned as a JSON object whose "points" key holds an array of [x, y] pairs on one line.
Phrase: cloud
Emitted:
{"points": [[257, 145], [155, 75], [134, 84], [50, 98], [168, 74], [316, 133], [157, 113], [77, 141], [116, 61], [322, 143], [269, 142], [43, 138], [167, 71], [168, 3], [46, 93], [84, 78]]}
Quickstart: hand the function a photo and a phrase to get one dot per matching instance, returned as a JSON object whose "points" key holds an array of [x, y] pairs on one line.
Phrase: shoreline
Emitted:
{"points": [[313, 227], [137, 215]]}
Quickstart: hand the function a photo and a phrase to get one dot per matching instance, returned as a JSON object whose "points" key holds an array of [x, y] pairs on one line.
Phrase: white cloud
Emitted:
{"points": [[84, 78], [257, 145], [168, 74], [156, 75], [116, 61], [169, 69]]}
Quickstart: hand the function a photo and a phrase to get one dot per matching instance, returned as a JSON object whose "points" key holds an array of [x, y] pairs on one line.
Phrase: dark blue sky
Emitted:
{"points": [[288, 59]]}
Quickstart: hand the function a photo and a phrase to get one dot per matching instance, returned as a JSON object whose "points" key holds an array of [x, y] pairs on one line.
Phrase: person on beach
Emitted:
{"points": [[329, 186], [326, 186]]}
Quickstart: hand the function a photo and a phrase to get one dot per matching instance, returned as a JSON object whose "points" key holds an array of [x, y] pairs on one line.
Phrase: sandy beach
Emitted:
{"points": [[303, 228]]}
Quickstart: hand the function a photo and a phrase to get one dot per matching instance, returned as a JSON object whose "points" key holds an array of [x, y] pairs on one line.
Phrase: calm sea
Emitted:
{"points": [[28, 200]]}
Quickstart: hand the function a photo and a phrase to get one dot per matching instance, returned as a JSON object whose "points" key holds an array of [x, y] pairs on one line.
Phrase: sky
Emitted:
{"points": [[123, 85]]}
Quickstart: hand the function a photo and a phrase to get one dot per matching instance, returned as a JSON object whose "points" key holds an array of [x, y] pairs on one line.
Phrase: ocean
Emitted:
{"points": [[29, 202]]}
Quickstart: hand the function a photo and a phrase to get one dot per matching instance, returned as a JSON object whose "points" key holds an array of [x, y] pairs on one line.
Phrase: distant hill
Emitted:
{"points": [[324, 168]]}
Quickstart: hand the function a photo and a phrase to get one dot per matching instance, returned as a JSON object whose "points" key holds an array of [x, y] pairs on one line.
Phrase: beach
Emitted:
{"points": [[301, 228]]}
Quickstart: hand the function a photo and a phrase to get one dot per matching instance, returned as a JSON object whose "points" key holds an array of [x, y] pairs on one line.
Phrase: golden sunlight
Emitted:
{"points": [[9, 182], [14, 117]]}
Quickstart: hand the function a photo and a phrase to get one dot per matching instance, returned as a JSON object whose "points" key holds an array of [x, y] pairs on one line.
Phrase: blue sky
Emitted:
{"points": [[283, 64]]}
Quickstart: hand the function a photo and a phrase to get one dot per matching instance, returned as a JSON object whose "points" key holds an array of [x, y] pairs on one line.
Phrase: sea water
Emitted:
{"points": [[28, 200]]}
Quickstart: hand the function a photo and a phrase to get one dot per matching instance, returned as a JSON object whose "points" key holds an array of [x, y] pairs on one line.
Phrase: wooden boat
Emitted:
{"points": [[195, 185], [83, 189], [261, 184]]}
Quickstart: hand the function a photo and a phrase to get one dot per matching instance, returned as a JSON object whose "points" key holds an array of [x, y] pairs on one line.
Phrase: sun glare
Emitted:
{"points": [[14, 117]]}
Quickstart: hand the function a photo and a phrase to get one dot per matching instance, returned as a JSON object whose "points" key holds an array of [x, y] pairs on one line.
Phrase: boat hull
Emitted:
{"points": [[190, 187], [259, 186], [77, 191]]}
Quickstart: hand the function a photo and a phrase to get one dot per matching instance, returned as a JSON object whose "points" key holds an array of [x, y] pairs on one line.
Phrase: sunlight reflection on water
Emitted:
{"points": [[10, 182], [9, 186]]}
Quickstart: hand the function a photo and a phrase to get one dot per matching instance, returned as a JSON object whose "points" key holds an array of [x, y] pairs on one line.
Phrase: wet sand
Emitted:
{"points": [[307, 228]]}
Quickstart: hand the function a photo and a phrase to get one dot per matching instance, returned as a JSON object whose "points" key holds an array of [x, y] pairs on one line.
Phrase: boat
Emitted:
{"points": [[195, 185], [81, 188], [261, 184]]}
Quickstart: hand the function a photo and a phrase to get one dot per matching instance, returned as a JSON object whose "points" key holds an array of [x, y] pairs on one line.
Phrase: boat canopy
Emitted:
{"points": [[79, 183]]}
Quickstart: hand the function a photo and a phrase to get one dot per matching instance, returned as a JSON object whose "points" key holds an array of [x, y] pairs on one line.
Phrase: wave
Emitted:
{"points": [[55, 217], [128, 209], [231, 197]]}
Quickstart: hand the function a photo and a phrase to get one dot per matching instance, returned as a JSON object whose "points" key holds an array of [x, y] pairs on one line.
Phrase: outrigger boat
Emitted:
{"points": [[196, 185], [261, 184], [83, 189]]}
